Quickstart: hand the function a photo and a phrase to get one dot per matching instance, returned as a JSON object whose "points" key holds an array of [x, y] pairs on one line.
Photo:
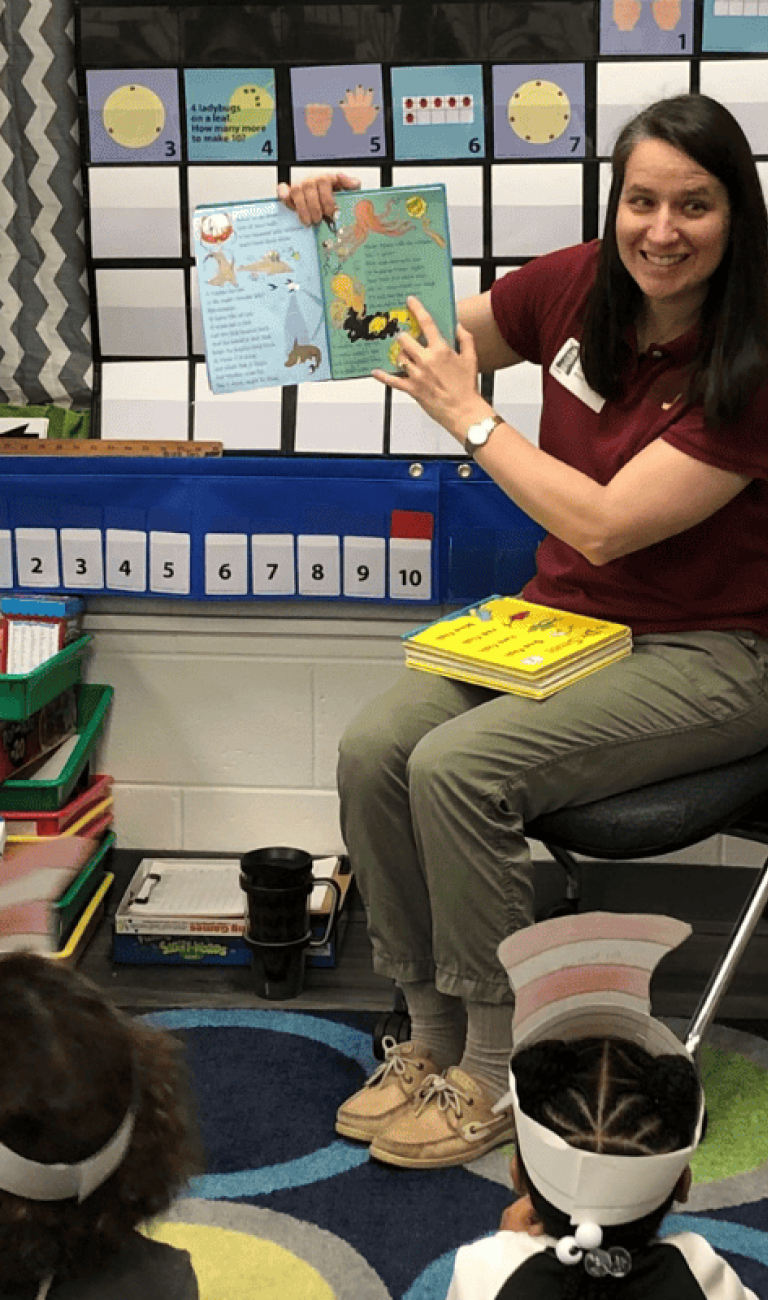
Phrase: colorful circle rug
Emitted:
{"points": [[288, 1209]]}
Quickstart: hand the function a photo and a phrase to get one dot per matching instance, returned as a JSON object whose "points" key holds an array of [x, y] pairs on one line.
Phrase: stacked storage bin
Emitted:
{"points": [[57, 815]]}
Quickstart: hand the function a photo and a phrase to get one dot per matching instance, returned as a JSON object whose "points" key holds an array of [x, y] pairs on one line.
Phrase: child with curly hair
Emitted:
{"points": [[608, 1110], [96, 1138]]}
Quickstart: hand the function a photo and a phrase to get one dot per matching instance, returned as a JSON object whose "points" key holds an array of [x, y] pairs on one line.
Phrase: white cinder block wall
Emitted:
{"points": [[225, 722]]}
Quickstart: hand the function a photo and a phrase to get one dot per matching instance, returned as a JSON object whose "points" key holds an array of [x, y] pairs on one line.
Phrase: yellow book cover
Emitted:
{"points": [[510, 644]]}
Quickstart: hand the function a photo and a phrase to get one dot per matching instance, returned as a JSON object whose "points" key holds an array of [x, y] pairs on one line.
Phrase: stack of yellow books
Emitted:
{"points": [[512, 645]]}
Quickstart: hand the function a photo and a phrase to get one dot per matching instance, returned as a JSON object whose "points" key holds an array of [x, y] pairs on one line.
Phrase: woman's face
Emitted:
{"points": [[672, 225]]}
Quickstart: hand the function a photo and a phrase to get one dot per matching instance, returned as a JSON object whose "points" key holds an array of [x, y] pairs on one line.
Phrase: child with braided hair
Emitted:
{"points": [[608, 1110]]}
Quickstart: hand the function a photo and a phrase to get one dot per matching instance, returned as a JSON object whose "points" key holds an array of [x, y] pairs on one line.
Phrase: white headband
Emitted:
{"points": [[588, 976], [40, 1182]]}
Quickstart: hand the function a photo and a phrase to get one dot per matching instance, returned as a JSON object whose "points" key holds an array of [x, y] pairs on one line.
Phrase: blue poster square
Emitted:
{"points": [[231, 114], [646, 26], [438, 112], [338, 111], [739, 26], [538, 110], [133, 116]]}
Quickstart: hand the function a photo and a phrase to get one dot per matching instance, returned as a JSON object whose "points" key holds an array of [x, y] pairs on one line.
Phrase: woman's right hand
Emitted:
{"points": [[312, 200]]}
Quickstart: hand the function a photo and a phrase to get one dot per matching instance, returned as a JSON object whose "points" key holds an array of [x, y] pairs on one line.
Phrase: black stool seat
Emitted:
{"points": [[663, 817]]}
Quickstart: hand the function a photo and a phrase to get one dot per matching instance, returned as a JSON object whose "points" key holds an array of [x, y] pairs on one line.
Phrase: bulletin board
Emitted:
{"points": [[513, 106]]}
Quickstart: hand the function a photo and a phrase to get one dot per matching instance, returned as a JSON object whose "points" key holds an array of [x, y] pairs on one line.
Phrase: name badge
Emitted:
{"points": [[566, 369]]}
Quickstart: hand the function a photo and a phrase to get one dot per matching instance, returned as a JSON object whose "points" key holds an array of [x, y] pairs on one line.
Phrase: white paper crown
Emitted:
{"points": [[41, 1182], [589, 976]]}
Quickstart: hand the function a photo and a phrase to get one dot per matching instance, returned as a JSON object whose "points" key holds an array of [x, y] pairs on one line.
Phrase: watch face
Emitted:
{"points": [[479, 434]]}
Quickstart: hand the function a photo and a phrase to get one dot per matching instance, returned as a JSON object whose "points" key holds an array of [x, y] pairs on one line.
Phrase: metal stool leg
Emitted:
{"points": [[726, 967], [572, 871]]}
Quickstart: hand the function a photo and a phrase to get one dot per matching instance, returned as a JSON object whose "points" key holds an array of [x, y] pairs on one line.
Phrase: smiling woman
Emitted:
{"points": [[651, 481]]}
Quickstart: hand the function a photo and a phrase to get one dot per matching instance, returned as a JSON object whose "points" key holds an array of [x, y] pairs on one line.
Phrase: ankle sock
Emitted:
{"points": [[489, 1044], [438, 1023]]}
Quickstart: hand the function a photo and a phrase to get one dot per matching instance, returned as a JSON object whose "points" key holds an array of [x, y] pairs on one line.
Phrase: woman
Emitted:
{"points": [[650, 479]]}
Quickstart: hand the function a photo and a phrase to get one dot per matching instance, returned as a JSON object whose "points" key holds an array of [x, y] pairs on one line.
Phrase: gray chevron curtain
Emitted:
{"points": [[45, 354]]}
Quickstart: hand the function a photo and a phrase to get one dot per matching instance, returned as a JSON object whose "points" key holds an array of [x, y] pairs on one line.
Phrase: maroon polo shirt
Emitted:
{"points": [[714, 575]]}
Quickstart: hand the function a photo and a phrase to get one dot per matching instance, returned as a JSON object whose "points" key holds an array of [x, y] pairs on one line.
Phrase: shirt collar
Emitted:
{"points": [[680, 351]]}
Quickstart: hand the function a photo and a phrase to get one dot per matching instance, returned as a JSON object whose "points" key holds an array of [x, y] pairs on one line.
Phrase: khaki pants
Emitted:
{"points": [[437, 779]]}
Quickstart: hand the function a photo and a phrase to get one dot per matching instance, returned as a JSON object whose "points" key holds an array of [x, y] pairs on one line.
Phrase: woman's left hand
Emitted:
{"points": [[441, 380]]}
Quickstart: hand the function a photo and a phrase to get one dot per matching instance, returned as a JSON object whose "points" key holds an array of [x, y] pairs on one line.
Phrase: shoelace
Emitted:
{"points": [[393, 1063], [449, 1096]]}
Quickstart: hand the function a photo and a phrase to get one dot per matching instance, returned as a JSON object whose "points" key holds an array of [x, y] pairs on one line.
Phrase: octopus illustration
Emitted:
{"points": [[348, 239]]}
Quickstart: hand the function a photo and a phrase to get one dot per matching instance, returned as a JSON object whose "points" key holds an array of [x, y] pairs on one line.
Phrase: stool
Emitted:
{"points": [[657, 819]]}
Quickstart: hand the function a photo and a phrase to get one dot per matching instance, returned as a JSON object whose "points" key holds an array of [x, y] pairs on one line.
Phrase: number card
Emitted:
{"points": [[6, 558], [438, 112], [319, 565], [230, 114], [82, 563], [226, 564], [126, 559], [169, 558], [37, 557], [338, 111], [133, 117], [410, 555], [273, 570], [365, 567], [410, 569], [538, 111]]}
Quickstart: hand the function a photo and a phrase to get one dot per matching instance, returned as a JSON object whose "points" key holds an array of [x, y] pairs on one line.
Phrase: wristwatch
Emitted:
{"points": [[477, 435]]}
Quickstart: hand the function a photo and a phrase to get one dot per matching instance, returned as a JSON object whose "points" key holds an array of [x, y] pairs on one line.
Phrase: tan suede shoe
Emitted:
{"points": [[451, 1123], [388, 1093]]}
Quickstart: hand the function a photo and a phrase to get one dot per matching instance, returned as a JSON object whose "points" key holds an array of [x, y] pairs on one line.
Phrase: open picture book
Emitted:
{"points": [[283, 303]]}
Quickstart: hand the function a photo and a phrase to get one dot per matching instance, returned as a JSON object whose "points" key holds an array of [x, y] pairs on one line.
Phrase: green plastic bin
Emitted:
{"points": [[22, 694], [19, 795]]}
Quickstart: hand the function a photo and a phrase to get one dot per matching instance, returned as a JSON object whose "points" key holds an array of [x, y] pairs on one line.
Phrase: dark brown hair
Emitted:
{"points": [[732, 358], [71, 1064]]}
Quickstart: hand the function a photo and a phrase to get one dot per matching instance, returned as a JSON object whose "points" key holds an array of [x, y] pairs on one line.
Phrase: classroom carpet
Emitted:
{"points": [[288, 1210]]}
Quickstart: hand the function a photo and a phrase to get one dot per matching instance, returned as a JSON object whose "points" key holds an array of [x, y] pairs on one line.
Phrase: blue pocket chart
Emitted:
{"points": [[272, 528]]}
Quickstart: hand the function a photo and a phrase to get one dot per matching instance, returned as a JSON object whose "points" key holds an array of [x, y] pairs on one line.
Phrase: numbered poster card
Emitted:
{"points": [[231, 114], [738, 26], [647, 26], [338, 112], [133, 117], [538, 110], [438, 112]]}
